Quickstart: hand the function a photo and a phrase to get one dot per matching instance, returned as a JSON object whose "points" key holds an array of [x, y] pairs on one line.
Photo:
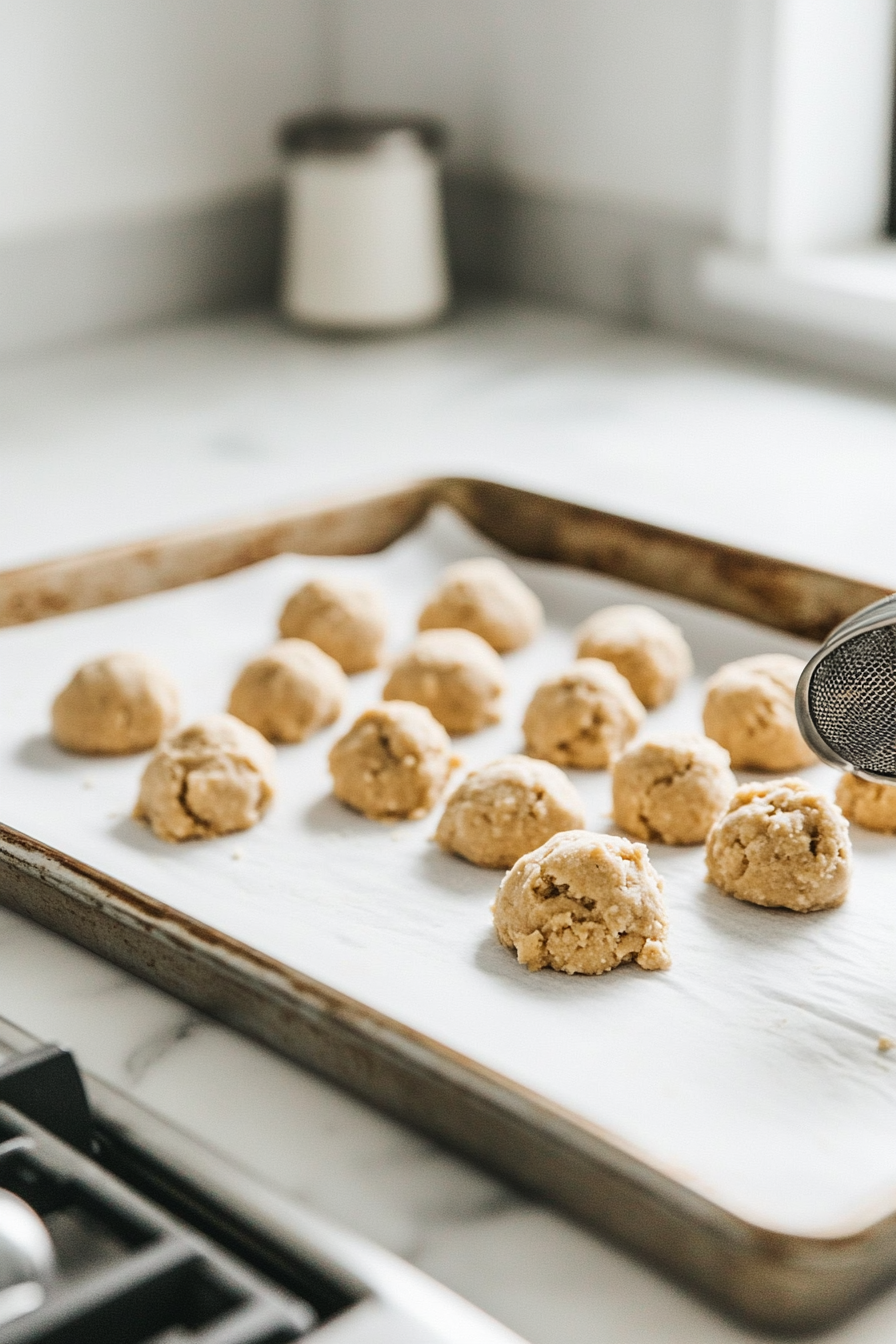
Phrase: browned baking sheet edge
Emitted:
{"points": [[778, 1282], [778, 593]]}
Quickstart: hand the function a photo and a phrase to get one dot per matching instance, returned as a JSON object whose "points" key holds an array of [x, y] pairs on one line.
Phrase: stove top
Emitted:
{"points": [[147, 1235]]}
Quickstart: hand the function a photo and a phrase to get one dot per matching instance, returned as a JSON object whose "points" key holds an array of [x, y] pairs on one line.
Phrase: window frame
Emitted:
{"points": [[806, 246], [812, 124]]}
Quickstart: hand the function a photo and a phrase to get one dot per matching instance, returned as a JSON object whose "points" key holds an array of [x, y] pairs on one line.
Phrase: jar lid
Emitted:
{"points": [[353, 133]]}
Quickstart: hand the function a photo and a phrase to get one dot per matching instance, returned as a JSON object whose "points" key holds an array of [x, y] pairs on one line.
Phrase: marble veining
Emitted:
{"points": [[156, 1047]]}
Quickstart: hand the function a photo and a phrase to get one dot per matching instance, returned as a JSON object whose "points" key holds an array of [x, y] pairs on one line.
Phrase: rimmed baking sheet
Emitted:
{"points": [[750, 1072]]}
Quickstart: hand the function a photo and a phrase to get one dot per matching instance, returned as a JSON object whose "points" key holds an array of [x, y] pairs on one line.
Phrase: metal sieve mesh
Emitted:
{"points": [[852, 701]]}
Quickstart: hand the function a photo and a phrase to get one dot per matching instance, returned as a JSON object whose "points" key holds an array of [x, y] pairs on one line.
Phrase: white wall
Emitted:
{"points": [[135, 134], [116, 108], [628, 101]]}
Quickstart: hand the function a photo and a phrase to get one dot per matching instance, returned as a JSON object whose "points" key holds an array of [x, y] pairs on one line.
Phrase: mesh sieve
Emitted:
{"points": [[852, 701], [846, 699]]}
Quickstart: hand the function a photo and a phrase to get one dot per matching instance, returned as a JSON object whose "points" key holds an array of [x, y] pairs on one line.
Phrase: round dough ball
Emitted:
{"points": [[584, 903], [346, 619], [393, 763], [749, 710], [671, 788], [115, 705], [583, 717], [212, 778], [455, 674], [290, 692], [486, 597], [781, 843], [506, 809], [648, 650], [867, 803]]}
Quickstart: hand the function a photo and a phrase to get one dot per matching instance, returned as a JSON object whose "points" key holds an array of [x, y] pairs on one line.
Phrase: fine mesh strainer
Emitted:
{"points": [[846, 697]]}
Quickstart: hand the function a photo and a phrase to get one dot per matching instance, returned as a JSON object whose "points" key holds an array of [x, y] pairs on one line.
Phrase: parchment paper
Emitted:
{"points": [[750, 1071]]}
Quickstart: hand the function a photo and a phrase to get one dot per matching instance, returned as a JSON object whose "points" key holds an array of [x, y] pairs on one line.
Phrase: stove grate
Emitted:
{"points": [[128, 1272]]}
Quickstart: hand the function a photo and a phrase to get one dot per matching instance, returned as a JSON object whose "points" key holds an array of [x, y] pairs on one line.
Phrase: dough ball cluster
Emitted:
{"points": [[114, 706], [393, 763], [867, 803], [455, 674], [749, 710], [212, 778], [671, 788], [507, 808], [347, 619], [582, 717], [645, 647], [290, 692], [571, 900], [781, 844], [484, 596], [584, 903]]}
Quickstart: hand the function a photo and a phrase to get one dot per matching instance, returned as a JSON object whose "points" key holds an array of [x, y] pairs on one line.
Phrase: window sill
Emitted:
{"points": [[846, 295]]}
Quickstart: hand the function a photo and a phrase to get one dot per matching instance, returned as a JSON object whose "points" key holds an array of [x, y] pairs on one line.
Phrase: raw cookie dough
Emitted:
{"points": [[115, 705], [867, 803], [209, 779], [486, 597], [583, 717], [289, 692], [455, 674], [506, 809], [671, 788], [347, 619], [643, 645], [749, 710], [584, 903], [393, 763], [781, 843]]}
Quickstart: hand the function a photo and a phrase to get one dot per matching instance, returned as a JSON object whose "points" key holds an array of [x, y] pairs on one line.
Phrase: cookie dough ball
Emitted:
{"points": [[749, 710], [584, 717], [290, 692], [643, 645], [584, 903], [781, 843], [506, 809], [486, 597], [345, 619], [671, 788], [393, 763], [115, 705], [212, 778], [868, 803], [455, 674]]}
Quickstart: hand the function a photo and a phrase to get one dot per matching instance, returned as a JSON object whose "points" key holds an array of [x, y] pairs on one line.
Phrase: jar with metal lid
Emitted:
{"points": [[364, 242]]}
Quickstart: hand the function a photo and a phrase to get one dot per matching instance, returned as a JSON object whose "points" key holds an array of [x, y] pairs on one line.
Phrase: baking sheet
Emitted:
{"points": [[750, 1071]]}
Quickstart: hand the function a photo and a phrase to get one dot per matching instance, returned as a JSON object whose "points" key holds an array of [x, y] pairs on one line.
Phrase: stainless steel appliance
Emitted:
{"points": [[117, 1228]]}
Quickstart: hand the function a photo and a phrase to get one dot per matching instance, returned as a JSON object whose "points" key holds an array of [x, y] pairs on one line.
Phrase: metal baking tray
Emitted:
{"points": [[713, 1210]]}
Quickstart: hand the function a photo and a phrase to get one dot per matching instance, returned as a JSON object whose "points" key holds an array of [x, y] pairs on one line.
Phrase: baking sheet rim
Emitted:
{"points": [[814, 1259]]}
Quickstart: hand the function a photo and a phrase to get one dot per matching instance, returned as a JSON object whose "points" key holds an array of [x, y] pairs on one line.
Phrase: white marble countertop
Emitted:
{"points": [[171, 427]]}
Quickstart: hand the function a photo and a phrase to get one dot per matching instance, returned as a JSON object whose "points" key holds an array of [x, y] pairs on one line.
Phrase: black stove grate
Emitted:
{"points": [[129, 1272]]}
